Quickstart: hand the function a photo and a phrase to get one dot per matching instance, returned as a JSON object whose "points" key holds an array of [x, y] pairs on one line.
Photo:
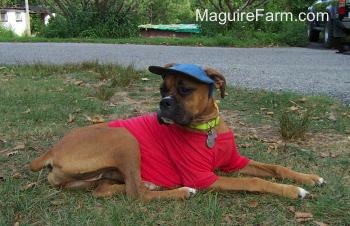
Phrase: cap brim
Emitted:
{"points": [[166, 71]]}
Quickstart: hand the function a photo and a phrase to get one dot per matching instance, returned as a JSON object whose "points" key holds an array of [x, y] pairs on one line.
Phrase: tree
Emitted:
{"points": [[171, 11], [100, 7], [17, 2], [231, 5]]}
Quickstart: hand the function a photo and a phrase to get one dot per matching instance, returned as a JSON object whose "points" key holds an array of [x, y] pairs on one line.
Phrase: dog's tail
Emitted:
{"points": [[41, 162]]}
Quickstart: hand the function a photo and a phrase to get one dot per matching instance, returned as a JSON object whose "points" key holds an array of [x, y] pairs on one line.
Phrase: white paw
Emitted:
{"points": [[150, 186], [321, 181], [302, 193], [191, 191]]}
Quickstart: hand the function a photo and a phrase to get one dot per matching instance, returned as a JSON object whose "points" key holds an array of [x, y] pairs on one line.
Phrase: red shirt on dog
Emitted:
{"points": [[172, 156]]}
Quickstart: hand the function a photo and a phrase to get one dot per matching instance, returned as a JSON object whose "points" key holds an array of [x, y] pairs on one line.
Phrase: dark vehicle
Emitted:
{"points": [[335, 23]]}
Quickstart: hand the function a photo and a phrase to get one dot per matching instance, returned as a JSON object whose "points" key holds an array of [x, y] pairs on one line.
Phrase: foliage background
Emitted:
{"points": [[120, 18]]}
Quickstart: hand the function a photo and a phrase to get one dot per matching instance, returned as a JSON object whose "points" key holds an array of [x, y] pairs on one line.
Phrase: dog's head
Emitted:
{"points": [[187, 93]]}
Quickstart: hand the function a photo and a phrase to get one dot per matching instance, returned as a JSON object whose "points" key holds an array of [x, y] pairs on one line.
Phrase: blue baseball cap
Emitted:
{"points": [[191, 70]]}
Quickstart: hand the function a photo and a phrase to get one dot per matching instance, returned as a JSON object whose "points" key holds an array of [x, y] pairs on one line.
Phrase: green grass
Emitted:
{"points": [[7, 34], [223, 41], [35, 103]]}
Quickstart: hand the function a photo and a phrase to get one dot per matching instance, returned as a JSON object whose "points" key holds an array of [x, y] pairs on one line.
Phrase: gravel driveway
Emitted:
{"points": [[303, 70]]}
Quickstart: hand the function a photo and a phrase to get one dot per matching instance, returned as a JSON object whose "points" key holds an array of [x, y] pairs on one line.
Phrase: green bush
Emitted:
{"points": [[6, 33], [294, 34], [36, 23], [88, 24], [58, 27]]}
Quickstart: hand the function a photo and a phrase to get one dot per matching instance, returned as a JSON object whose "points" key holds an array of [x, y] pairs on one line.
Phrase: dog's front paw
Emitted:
{"points": [[321, 181], [188, 192], [302, 193], [312, 179]]}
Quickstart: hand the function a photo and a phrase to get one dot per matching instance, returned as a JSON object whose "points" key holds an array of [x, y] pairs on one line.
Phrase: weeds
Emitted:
{"points": [[293, 125], [104, 93]]}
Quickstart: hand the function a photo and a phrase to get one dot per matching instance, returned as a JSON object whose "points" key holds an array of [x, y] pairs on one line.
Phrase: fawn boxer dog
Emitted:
{"points": [[177, 149]]}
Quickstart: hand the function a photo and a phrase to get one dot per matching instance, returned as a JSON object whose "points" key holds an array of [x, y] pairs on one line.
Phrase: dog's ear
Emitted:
{"points": [[219, 79], [169, 65]]}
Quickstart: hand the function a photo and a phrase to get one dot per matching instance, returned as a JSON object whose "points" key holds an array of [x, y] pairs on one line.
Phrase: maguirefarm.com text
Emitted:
{"points": [[259, 14]]}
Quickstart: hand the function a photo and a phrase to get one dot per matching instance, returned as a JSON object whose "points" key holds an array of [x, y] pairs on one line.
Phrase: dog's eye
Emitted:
{"points": [[185, 91]]}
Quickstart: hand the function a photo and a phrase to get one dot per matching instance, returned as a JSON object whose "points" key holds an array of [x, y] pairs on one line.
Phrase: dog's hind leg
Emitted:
{"points": [[128, 161], [41, 162], [107, 188], [268, 170]]}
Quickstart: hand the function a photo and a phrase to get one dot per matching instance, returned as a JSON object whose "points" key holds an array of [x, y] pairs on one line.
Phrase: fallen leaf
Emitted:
{"points": [[87, 118], [291, 209], [228, 219], [253, 137], [71, 118], [16, 175], [245, 145], [26, 111], [253, 203], [293, 109], [16, 223], [3, 151], [12, 153], [57, 202], [34, 148], [332, 117], [78, 82], [318, 223], [303, 100], [242, 123], [303, 216], [324, 154], [302, 220], [97, 119], [78, 110], [19, 147], [263, 109], [269, 113], [5, 79], [333, 155], [111, 105], [272, 147], [29, 186], [145, 79]]}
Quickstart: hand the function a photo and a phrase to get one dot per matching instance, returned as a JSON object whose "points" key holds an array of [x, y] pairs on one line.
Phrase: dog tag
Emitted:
{"points": [[211, 138]]}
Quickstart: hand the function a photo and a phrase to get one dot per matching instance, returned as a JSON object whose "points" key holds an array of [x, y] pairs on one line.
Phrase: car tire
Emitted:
{"points": [[342, 47], [328, 35], [312, 34]]}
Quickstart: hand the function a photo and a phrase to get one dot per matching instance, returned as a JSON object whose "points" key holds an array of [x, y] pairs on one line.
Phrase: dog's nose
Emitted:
{"points": [[167, 102]]}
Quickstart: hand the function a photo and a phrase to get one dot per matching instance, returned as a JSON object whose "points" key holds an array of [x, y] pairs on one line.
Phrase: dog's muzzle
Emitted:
{"points": [[167, 107]]}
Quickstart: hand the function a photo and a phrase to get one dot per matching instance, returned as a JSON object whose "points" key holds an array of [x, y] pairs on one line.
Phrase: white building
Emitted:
{"points": [[14, 18]]}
